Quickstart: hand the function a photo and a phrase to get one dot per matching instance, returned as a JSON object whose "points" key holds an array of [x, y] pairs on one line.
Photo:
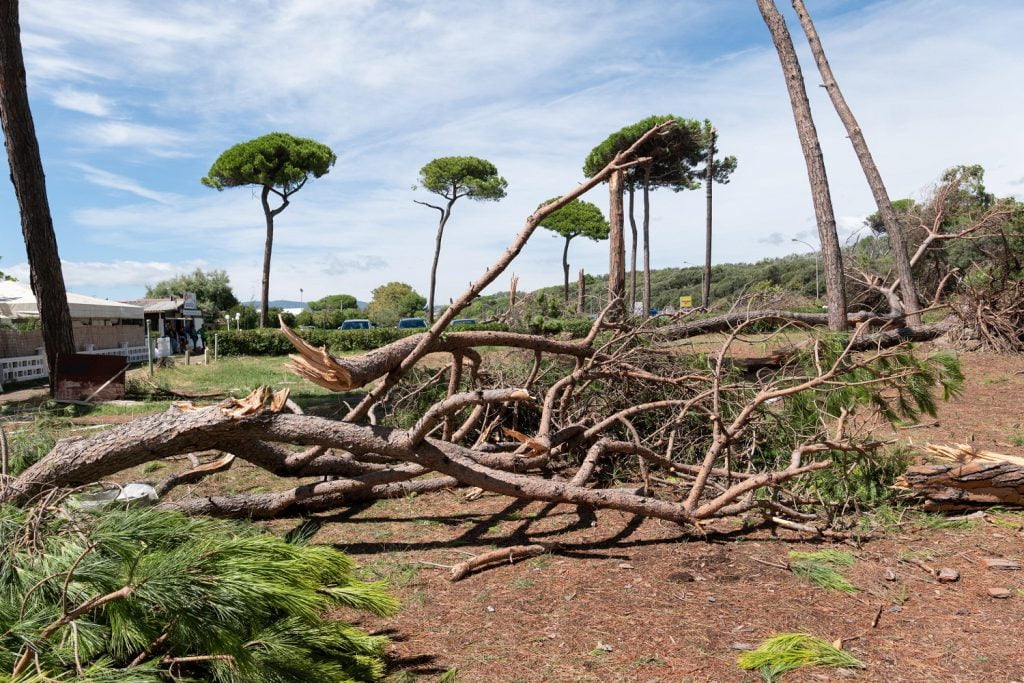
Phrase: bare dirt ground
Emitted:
{"points": [[629, 600], [622, 599]]}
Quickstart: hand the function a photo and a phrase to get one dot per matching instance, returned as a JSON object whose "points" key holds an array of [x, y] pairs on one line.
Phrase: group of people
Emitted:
{"points": [[184, 336]]}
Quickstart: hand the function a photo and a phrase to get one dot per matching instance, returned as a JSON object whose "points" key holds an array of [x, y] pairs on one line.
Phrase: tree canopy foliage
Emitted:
{"points": [[393, 301], [675, 153], [333, 302], [212, 289], [455, 177], [578, 218], [277, 160]]}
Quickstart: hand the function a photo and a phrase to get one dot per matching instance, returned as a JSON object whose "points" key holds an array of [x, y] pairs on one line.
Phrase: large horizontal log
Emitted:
{"points": [[963, 486]]}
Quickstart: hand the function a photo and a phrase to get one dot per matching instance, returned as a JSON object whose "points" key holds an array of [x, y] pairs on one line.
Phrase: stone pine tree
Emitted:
{"points": [[46, 276], [452, 178], [832, 258], [576, 219], [671, 159], [893, 227], [715, 171], [280, 164]]}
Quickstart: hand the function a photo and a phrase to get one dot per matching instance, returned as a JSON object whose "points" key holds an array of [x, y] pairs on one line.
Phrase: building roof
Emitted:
{"points": [[18, 301]]}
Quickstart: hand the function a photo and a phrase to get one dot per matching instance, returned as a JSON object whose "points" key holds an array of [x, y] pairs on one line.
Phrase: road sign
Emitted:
{"points": [[686, 302]]}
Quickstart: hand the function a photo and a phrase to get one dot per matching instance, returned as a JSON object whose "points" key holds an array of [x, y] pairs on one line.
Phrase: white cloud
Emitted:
{"points": [[156, 140], [130, 278], [113, 181], [83, 101]]}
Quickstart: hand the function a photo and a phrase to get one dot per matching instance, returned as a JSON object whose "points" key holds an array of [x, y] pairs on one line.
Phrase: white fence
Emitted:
{"points": [[27, 368]]}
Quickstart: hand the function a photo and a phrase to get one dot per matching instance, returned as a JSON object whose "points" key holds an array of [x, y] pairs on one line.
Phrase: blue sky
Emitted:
{"points": [[134, 100]]}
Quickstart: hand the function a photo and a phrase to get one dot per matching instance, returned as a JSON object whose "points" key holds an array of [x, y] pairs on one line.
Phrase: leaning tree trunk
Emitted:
{"points": [[565, 271], [647, 241], [45, 273], [632, 255], [616, 244], [705, 298], [897, 241], [835, 290]]}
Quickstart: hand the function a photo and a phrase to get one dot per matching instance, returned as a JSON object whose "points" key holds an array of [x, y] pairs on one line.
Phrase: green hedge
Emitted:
{"points": [[270, 342]]}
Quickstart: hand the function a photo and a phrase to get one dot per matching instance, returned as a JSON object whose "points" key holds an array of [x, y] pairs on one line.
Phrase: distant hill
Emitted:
{"points": [[287, 303]]}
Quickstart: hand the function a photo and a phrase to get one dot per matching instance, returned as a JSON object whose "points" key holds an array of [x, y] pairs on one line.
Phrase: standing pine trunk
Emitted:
{"points": [[45, 274], [632, 256], [647, 241], [565, 272], [445, 213], [616, 245], [897, 241], [835, 288], [705, 294], [581, 294], [268, 249]]}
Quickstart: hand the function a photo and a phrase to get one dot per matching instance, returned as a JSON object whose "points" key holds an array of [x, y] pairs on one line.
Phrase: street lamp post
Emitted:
{"points": [[238, 320], [817, 256], [227, 321]]}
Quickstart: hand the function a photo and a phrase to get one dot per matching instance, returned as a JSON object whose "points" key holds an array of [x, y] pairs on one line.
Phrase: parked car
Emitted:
{"points": [[356, 324], [411, 323], [463, 321]]}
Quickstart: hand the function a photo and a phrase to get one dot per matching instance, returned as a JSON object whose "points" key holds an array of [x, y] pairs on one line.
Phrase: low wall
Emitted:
{"points": [[15, 343]]}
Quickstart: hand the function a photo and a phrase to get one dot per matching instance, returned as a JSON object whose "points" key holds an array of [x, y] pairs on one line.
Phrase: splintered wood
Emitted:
{"points": [[972, 479]]}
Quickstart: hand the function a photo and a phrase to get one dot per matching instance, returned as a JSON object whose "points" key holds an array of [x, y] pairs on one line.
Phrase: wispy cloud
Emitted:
{"points": [[156, 140], [125, 276], [113, 181], [83, 101]]}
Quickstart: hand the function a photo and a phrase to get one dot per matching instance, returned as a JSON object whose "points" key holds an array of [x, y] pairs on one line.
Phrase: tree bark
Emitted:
{"points": [[897, 240], [581, 294], [647, 242], [437, 255], [705, 298], [616, 245], [565, 271], [45, 274], [632, 249], [965, 486], [835, 289], [268, 249]]}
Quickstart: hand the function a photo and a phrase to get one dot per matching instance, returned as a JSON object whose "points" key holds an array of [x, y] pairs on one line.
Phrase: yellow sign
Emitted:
{"points": [[686, 302]]}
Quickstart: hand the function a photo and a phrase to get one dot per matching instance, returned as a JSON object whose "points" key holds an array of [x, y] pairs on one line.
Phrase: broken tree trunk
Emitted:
{"points": [[951, 486], [974, 479]]}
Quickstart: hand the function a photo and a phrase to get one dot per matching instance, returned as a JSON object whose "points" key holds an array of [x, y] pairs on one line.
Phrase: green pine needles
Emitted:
{"points": [[149, 595], [823, 568], [786, 651], [789, 651]]}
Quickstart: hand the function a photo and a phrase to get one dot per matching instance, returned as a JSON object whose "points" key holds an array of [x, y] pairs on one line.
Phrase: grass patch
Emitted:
{"points": [[789, 651], [823, 568]]}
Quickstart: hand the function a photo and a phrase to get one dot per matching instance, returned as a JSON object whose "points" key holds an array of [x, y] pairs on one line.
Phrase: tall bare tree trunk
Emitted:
{"points": [[897, 241], [616, 244], [632, 258], [268, 249], [835, 289], [581, 294], [705, 298], [565, 271], [45, 274], [445, 213], [647, 241]]}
